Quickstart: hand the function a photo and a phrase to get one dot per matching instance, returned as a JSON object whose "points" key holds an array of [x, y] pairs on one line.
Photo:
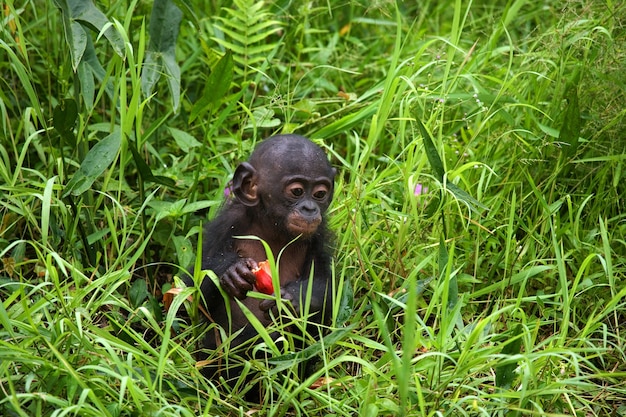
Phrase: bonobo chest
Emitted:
{"points": [[291, 263]]}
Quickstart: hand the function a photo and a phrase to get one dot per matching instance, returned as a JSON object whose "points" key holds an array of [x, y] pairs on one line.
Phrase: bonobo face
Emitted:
{"points": [[306, 199], [295, 183]]}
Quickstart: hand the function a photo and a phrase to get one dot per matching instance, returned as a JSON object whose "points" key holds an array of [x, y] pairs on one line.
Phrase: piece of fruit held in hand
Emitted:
{"points": [[263, 276]]}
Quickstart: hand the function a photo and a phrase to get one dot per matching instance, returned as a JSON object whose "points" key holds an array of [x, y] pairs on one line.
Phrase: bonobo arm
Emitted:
{"points": [[219, 255]]}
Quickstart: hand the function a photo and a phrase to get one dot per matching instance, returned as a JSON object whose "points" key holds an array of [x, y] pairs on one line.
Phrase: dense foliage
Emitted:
{"points": [[479, 211]]}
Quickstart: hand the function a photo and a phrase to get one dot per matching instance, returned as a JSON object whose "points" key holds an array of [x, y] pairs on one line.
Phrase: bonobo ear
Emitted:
{"points": [[245, 184]]}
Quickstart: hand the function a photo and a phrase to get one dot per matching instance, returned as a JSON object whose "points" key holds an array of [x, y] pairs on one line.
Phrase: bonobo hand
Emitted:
{"points": [[287, 295], [239, 279]]}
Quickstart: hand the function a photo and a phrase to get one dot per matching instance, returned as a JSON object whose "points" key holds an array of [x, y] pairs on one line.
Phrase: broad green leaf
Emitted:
{"points": [[97, 160], [88, 69], [263, 117], [550, 131], [443, 256], [98, 235], [150, 72], [78, 14], [437, 165], [87, 85], [138, 293], [346, 305], [505, 374], [144, 170], [453, 292], [164, 24], [463, 196], [184, 250], [64, 116], [421, 286], [216, 86], [200, 205], [168, 208], [431, 151], [172, 70], [183, 139], [161, 55], [78, 43]]}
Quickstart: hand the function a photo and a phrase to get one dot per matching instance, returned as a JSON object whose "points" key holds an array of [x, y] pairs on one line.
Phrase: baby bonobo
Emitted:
{"points": [[280, 196]]}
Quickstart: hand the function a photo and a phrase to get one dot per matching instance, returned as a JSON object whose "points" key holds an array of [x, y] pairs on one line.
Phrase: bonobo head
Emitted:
{"points": [[288, 184]]}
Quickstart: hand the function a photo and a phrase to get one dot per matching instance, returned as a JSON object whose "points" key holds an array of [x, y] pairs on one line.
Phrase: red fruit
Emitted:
{"points": [[263, 276]]}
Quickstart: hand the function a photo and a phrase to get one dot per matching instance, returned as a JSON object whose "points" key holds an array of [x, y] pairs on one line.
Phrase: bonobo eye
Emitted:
{"points": [[295, 190], [320, 192]]}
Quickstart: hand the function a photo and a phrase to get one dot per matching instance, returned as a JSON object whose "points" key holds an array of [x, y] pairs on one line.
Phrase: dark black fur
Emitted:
{"points": [[279, 194]]}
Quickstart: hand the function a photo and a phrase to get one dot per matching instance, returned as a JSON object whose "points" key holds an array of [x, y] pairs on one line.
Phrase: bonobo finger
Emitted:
{"points": [[265, 305], [234, 284], [244, 269], [268, 304], [251, 264], [269, 308], [242, 285], [227, 285]]}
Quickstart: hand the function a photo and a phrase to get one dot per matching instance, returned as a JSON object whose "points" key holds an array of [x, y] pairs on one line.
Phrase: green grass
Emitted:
{"points": [[498, 290]]}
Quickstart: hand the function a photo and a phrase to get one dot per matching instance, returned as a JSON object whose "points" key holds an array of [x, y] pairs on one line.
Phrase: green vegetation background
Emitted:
{"points": [[479, 209]]}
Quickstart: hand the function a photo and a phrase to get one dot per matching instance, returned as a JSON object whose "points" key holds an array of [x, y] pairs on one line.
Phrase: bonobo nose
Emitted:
{"points": [[309, 208]]}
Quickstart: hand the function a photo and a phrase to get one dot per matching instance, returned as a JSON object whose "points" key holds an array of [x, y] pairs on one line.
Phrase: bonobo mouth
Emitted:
{"points": [[299, 226]]}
